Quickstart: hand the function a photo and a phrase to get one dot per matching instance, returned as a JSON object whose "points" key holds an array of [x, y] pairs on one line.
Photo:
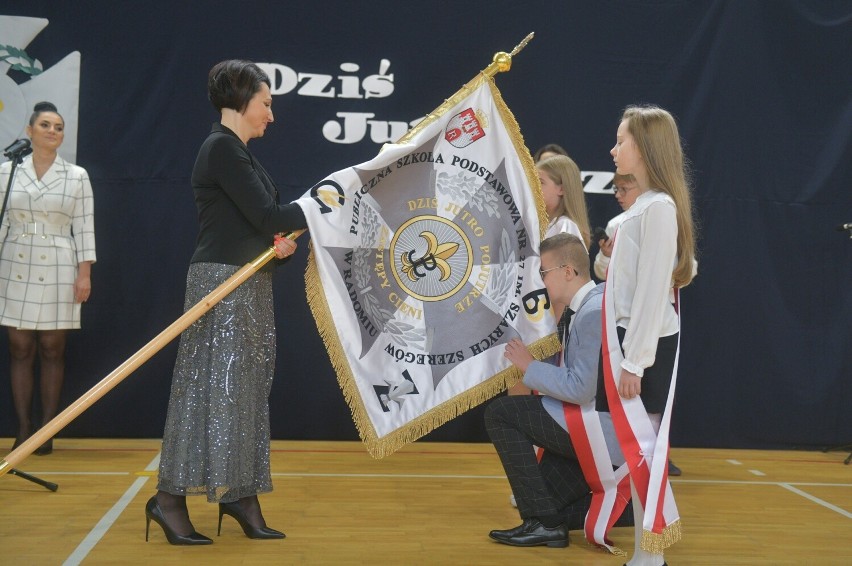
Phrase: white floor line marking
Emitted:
{"points": [[464, 477], [757, 472], [153, 468], [99, 530], [755, 482], [402, 476], [817, 500], [735, 462], [54, 473]]}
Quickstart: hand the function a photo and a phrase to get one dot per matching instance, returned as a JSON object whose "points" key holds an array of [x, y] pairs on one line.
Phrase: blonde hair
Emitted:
{"points": [[658, 141], [564, 172], [568, 248]]}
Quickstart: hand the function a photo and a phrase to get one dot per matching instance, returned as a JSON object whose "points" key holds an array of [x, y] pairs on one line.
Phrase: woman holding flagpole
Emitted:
{"points": [[652, 258], [216, 438]]}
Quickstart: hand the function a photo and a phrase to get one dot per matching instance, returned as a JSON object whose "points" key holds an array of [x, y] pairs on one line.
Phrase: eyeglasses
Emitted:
{"points": [[622, 190], [544, 272]]}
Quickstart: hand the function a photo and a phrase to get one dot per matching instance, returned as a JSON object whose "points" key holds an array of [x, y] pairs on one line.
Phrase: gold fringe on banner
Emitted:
{"points": [[425, 423], [656, 543], [435, 417], [523, 152]]}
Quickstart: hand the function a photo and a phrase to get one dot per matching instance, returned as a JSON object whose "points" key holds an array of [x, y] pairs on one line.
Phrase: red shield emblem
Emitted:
{"points": [[464, 129]]}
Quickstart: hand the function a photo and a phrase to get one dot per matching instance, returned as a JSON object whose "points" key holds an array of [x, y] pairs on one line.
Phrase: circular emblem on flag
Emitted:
{"points": [[431, 257]]}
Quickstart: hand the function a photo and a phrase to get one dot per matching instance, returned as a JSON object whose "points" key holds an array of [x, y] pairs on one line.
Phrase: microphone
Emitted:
{"points": [[17, 147], [842, 227]]}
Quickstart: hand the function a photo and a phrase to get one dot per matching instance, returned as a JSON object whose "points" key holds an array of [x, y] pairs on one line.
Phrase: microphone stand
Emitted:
{"points": [[15, 153], [17, 158]]}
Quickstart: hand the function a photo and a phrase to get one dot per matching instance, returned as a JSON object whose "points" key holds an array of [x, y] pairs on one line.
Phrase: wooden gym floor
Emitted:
{"points": [[430, 503]]}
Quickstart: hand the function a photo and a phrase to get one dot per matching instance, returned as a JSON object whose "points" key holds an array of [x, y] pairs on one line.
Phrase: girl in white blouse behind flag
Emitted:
{"points": [[562, 190], [652, 257]]}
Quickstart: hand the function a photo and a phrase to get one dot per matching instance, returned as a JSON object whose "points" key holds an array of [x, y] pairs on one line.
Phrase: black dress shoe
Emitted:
{"points": [[508, 533], [533, 533]]}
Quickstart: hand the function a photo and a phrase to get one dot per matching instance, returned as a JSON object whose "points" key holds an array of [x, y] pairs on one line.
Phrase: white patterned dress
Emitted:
{"points": [[48, 229]]}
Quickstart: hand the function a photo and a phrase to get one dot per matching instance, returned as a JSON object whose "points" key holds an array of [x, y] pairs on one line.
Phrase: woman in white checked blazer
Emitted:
{"points": [[48, 248]]}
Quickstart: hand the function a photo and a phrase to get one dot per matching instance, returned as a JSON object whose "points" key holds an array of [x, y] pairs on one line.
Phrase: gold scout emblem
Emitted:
{"points": [[431, 257], [436, 256]]}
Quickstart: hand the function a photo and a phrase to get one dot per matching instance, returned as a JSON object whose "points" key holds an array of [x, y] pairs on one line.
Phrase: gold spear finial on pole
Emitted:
{"points": [[501, 63], [522, 44]]}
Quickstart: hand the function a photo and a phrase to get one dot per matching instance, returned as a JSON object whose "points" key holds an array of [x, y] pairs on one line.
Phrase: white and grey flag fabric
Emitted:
{"points": [[424, 263]]}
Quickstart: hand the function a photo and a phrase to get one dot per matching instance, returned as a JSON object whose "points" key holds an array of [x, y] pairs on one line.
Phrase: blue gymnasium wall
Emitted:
{"points": [[762, 92]]}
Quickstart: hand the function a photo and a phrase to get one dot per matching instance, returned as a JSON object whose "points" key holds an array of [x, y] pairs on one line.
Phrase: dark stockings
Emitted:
{"points": [[51, 350], [251, 507], [175, 513]]}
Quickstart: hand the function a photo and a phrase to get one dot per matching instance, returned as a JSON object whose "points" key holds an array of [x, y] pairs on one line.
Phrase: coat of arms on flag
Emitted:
{"points": [[424, 262]]}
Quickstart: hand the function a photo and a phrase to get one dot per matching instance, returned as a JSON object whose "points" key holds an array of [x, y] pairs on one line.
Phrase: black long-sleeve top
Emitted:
{"points": [[238, 210]]}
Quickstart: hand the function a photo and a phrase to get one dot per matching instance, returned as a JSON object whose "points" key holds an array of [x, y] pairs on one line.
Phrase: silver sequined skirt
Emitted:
{"points": [[216, 438]]}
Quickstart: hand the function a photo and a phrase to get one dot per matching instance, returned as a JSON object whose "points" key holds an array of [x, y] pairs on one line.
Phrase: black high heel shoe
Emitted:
{"points": [[234, 510], [153, 511], [45, 449]]}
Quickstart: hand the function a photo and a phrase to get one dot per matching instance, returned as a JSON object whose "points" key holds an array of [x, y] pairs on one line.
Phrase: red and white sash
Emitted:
{"points": [[646, 452], [610, 488]]}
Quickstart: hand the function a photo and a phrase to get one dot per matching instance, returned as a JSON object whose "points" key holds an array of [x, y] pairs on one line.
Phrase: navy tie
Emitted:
{"points": [[562, 326]]}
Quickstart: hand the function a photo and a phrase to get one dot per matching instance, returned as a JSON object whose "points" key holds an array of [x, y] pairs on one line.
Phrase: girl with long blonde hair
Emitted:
{"points": [[652, 257], [562, 189]]}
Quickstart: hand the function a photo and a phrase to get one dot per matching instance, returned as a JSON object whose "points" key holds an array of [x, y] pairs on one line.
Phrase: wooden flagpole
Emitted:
{"points": [[501, 62], [59, 422]]}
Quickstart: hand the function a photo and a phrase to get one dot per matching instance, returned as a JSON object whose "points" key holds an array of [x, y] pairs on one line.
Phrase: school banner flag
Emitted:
{"points": [[424, 263]]}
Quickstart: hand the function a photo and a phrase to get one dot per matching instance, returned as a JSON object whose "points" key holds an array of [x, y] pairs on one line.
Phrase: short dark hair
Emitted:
{"points": [[42, 107], [233, 83]]}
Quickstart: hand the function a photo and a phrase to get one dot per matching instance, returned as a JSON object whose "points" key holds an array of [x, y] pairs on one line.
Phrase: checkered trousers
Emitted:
{"points": [[517, 422]]}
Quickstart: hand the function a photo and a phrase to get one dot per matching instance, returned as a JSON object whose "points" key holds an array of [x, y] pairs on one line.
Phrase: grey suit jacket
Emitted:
{"points": [[576, 380]]}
